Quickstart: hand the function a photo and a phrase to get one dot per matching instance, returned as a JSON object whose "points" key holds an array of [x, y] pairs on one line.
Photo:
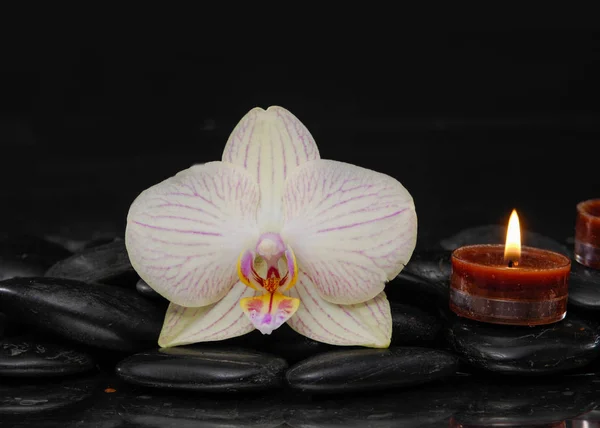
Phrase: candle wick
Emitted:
{"points": [[510, 263]]}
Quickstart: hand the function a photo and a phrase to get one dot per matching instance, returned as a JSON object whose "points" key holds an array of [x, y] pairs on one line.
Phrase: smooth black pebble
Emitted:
{"points": [[198, 368], [99, 315], [371, 369], [566, 345], [584, 287], [107, 263], [410, 326], [433, 265], [292, 346], [145, 290], [29, 357], [22, 256], [413, 326], [496, 234]]}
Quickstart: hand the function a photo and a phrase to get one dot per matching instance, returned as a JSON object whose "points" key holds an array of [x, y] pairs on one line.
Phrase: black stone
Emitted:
{"points": [[292, 346], [107, 263], [496, 234], [145, 290], [208, 369], [22, 256], [2, 324], [99, 315], [584, 287], [527, 402], [567, 345], [433, 265], [413, 326], [19, 399], [30, 357], [417, 290], [371, 369], [410, 326]]}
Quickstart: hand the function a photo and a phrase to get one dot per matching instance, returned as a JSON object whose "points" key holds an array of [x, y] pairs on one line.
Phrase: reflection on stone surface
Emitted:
{"points": [[499, 402], [107, 263], [23, 398], [470, 400], [566, 345], [496, 234], [415, 407], [145, 290], [143, 407]]}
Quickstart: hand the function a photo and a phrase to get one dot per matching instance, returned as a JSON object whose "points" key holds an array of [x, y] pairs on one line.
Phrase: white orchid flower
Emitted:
{"points": [[273, 234]]}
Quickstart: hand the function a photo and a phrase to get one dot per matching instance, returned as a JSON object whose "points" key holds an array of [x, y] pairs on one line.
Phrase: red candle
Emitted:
{"points": [[509, 284], [587, 233]]}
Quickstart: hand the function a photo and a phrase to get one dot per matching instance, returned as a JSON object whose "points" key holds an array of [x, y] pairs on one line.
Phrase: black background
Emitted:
{"points": [[473, 123]]}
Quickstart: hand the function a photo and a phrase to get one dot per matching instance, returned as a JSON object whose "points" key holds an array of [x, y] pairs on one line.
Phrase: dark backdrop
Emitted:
{"points": [[472, 123]]}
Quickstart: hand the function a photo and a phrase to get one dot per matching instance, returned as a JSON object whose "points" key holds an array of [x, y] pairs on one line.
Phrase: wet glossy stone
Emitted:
{"points": [[412, 289], [433, 265], [410, 326], [22, 256], [559, 347], [145, 290], [371, 369], [292, 346], [98, 315], [584, 287], [107, 263], [496, 234], [30, 357], [413, 326], [21, 399], [527, 402], [2, 324], [204, 368]]}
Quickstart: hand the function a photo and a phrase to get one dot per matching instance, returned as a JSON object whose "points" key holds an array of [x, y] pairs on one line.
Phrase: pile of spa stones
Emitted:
{"points": [[71, 315]]}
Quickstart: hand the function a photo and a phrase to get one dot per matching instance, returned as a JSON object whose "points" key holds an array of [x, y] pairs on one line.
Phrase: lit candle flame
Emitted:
{"points": [[512, 248]]}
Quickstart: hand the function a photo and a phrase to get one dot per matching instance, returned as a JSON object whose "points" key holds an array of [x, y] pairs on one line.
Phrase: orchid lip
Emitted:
{"points": [[271, 267]]}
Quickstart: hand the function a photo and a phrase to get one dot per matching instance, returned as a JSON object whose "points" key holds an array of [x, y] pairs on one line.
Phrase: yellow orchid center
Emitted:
{"points": [[270, 268]]}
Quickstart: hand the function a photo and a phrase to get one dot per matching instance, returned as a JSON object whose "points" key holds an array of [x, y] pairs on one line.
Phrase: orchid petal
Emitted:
{"points": [[364, 324], [269, 311], [352, 229], [219, 321], [184, 235], [270, 144]]}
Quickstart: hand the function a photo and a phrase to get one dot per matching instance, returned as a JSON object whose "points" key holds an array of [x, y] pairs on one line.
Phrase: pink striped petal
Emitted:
{"points": [[185, 234], [352, 229], [364, 324], [270, 144], [219, 321]]}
